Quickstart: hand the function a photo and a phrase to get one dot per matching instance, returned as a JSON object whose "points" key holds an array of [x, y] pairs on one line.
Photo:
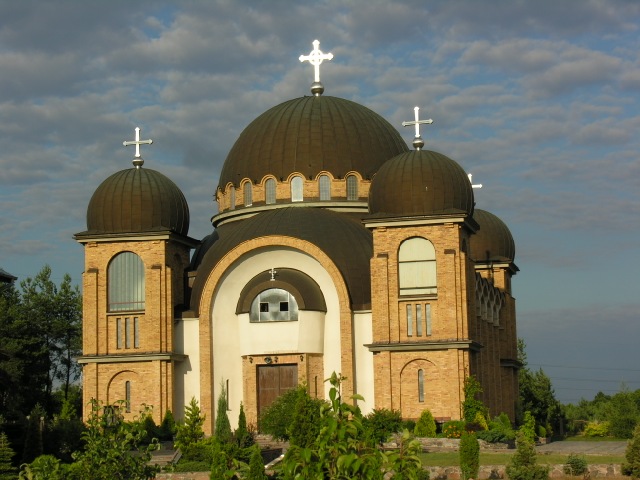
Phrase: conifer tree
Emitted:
{"points": [[632, 466], [222, 429], [7, 470], [256, 465], [426, 425], [469, 455], [523, 465], [243, 437], [190, 431]]}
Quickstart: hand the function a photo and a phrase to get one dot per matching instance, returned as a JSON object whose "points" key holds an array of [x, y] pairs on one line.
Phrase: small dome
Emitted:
{"points": [[493, 242], [137, 200], [421, 182], [309, 135]]}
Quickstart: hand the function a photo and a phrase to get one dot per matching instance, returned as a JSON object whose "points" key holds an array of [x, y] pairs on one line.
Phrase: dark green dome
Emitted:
{"points": [[309, 135], [137, 200], [493, 242], [421, 182]]}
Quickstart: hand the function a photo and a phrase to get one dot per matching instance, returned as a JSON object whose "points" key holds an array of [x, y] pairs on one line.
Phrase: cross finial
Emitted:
{"points": [[315, 58], [478, 185], [418, 143], [137, 159], [273, 273]]}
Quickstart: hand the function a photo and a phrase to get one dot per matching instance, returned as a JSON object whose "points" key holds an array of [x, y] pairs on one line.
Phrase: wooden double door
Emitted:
{"points": [[273, 381]]}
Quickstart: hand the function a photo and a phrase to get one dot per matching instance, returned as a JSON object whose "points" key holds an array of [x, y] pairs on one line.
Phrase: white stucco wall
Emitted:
{"points": [[187, 372], [362, 335], [233, 336]]}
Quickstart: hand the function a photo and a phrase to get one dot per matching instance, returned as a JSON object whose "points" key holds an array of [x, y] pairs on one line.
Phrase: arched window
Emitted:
{"points": [[232, 201], [296, 189], [274, 305], [270, 191], [126, 283], [421, 385], [417, 267], [325, 187], [248, 200], [352, 187]]}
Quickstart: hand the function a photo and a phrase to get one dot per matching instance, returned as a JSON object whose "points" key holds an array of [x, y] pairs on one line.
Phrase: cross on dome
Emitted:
{"points": [[273, 273], [418, 143], [315, 58], [478, 185], [137, 159]]}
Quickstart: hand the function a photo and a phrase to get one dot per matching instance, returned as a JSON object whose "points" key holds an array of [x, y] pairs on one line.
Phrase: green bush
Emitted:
{"points": [[576, 465], [632, 455], [276, 418], [542, 432], [472, 405], [305, 424], [167, 428], [453, 429], [523, 464], [528, 427], [409, 424], [381, 423], [190, 431], [256, 465], [500, 430], [596, 429], [192, 466], [426, 425], [199, 451], [469, 455]]}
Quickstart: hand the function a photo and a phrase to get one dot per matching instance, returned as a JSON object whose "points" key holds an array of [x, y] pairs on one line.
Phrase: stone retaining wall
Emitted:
{"points": [[487, 472]]}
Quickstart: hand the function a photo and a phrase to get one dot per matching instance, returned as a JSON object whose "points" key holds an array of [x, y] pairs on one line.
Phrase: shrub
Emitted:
{"points": [[167, 428], [305, 424], [500, 430], [426, 426], [222, 429], [409, 424], [7, 471], [381, 423], [256, 465], [199, 451], [632, 466], [453, 429], [528, 427], [44, 467], [190, 431], [192, 466], [276, 418], [469, 455], [542, 432], [471, 405], [244, 438], [576, 465], [596, 429], [523, 464]]}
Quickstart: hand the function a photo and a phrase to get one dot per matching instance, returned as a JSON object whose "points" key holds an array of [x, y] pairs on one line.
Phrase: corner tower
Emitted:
{"points": [[136, 252]]}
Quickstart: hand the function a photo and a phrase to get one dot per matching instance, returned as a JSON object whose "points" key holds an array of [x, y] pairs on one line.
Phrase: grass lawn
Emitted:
{"points": [[452, 459]]}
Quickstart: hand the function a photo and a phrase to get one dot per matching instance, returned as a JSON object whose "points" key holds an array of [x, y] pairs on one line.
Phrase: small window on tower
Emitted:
{"points": [[284, 306], [264, 306]]}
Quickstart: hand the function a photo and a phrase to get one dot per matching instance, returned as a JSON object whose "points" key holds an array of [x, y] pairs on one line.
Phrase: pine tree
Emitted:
{"points": [[632, 466], [7, 470], [222, 429], [190, 431], [523, 464], [243, 438]]}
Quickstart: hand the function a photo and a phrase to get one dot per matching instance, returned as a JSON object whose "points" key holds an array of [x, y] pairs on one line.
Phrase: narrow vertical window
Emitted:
{"points": [[270, 191], [136, 332], [127, 396], [325, 187], [427, 309], [126, 283], [409, 320], [227, 392], [296, 189], [118, 333], [232, 200], [421, 385], [127, 332], [246, 190], [419, 320], [352, 187]]}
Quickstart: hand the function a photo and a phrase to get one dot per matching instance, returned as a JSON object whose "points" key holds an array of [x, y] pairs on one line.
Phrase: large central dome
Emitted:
{"points": [[312, 134]]}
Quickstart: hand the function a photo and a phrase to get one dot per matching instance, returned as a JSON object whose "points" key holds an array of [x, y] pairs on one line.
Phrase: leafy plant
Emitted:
{"points": [[472, 405], [632, 466], [469, 455], [405, 462], [523, 464], [381, 423], [190, 431], [596, 429], [453, 429], [576, 465], [305, 425], [426, 425], [276, 418]]}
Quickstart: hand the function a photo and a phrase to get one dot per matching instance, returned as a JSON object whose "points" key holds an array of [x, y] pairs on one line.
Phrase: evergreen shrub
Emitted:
{"points": [[631, 467], [305, 424], [523, 464], [469, 455], [576, 465], [426, 425], [276, 418], [382, 423]]}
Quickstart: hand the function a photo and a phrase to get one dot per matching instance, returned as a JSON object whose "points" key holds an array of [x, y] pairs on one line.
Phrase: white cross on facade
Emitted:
{"points": [[478, 185], [315, 58], [137, 142], [417, 142], [273, 273]]}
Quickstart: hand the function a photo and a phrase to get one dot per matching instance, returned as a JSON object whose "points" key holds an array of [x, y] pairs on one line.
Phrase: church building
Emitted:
{"points": [[335, 248]]}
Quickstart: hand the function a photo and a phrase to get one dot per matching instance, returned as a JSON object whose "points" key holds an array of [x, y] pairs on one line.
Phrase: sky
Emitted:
{"points": [[539, 100]]}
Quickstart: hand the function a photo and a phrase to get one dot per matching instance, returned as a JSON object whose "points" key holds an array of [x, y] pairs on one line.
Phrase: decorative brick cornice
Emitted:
{"points": [[135, 357], [425, 346]]}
